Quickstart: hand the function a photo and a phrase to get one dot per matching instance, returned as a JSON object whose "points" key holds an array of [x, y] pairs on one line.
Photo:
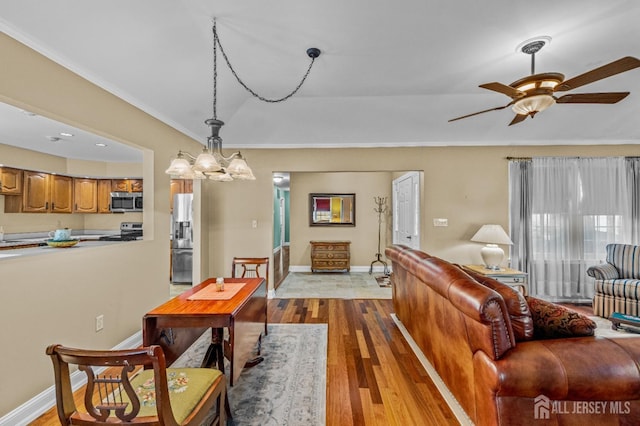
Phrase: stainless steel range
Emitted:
{"points": [[128, 231]]}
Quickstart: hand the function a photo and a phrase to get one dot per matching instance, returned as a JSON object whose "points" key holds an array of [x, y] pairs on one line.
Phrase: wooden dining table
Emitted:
{"points": [[178, 323]]}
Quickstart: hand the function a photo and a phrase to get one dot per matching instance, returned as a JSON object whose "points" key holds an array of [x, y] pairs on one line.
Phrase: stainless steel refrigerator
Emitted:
{"points": [[182, 239]]}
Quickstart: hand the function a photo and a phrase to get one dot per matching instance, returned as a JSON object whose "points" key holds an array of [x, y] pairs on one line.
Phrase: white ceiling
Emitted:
{"points": [[390, 73]]}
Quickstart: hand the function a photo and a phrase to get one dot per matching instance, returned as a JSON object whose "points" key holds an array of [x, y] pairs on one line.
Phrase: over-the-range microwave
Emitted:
{"points": [[122, 202]]}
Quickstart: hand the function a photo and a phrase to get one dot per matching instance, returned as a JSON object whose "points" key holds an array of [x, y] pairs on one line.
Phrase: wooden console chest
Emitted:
{"points": [[330, 256]]}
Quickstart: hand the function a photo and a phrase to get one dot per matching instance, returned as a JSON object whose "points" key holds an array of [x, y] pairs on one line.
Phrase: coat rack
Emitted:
{"points": [[380, 209]]}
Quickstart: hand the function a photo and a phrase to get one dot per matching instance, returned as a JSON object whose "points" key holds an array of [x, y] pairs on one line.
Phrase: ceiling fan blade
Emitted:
{"points": [[479, 112], [504, 89], [518, 118], [616, 67], [592, 98]]}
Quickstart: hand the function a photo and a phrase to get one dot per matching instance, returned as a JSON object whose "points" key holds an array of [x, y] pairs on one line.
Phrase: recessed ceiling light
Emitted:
{"points": [[29, 113], [53, 138], [66, 134], [101, 144]]}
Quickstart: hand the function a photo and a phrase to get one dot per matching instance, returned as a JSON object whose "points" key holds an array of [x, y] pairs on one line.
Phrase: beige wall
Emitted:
{"points": [[363, 237], [55, 298], [466, 185]]}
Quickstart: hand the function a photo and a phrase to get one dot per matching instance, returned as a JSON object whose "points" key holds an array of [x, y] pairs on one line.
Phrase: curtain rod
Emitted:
{"points": [[530, 158]]}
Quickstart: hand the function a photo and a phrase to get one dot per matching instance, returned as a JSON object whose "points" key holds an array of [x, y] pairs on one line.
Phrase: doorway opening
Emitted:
{"points": [[281, 227]]}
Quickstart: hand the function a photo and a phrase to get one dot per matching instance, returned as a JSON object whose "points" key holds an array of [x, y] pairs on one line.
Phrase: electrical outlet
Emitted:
{"points": [[254, 223], [99, 322], [440, 222]]}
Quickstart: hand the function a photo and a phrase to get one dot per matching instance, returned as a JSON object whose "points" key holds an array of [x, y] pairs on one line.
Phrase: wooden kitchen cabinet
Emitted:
{"points": [[10, 181], [126, 185], [85, 195], [61, 194], [43, 193], [330, 256], [104, 195]]}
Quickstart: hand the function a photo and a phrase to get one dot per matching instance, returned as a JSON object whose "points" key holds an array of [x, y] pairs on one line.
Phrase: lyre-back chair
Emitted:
{"points": [[126, 393], [250, 267], [242, 267]]}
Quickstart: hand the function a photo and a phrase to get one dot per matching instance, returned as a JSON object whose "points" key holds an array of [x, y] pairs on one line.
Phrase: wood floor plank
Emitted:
{"points": [[373, 377]]}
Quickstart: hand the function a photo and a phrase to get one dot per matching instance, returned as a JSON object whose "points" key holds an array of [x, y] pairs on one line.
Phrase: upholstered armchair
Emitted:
{"points": [[617, 285]]}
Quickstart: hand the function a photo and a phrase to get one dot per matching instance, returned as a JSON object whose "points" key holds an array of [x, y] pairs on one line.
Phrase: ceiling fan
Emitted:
{"points": [[535, 93]]}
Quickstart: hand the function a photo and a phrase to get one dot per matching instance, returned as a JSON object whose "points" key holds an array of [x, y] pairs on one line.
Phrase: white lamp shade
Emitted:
{"points": [[491, 234]]}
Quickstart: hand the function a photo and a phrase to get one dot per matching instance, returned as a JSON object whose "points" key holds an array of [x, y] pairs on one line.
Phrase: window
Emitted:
{"points": [[564, 211]]}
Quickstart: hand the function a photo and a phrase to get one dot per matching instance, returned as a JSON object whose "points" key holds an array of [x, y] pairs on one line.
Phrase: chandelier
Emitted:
{"points": [[211, 162]]}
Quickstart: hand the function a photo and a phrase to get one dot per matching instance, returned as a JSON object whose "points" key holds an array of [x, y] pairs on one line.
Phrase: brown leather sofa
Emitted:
{"points": [[479, 339]]}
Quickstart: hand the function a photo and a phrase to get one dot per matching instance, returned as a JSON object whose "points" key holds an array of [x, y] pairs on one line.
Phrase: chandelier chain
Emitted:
{"points": [[215, 70], [216, 41]]}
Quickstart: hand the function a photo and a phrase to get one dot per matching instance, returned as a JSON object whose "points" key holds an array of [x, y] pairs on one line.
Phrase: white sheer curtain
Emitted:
{"points": [[577, 206]]}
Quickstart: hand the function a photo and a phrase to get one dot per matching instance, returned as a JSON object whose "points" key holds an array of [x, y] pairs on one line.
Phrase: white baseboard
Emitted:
{"points": [[45, 400], [307, 268], [451, 400]]}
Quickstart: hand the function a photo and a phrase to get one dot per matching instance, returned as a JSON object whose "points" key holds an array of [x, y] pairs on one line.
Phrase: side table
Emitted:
{"points": [[511, 277]]}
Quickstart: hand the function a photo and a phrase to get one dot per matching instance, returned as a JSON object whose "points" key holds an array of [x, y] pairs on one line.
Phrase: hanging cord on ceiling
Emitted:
{"points": [[313, 53]]}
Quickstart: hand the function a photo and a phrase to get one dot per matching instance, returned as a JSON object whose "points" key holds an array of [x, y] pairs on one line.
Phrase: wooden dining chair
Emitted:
{"points": [[250, 267], [242, 267], [121, 391]]}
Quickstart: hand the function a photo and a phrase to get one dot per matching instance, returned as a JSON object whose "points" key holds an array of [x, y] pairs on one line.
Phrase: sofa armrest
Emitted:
{"points": [[604, 271]]}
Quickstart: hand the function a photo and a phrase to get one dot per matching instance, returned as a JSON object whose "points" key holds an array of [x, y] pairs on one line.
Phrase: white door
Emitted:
{"points": [[406, 210], [282, 230]]}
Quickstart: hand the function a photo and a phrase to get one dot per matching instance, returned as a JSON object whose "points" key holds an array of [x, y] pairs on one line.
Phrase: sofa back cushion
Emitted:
{"points": [[626, 259], [552, 321], [517, 307]]}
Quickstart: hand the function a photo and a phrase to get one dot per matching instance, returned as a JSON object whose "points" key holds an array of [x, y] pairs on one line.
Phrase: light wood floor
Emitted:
{"points": [[373, 377]]}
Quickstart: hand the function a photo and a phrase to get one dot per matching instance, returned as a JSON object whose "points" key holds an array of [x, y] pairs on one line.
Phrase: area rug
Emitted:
{"points": [[288, 387], [604, 329], [352, 285], [384, 281]]}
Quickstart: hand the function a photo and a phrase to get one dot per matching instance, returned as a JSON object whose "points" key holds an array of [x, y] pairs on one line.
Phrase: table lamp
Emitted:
{"points": [[492, 235]]}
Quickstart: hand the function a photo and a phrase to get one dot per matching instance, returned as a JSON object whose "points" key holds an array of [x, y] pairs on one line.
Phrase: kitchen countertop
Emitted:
{"points": [[18, 247]]}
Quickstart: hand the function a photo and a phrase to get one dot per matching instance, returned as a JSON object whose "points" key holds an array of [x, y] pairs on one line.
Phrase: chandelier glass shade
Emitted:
{"points": [[533, 104], [211, 162]]}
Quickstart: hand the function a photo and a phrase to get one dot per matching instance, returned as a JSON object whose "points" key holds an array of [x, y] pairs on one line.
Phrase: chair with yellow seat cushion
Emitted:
{"points": [[126, 393]]}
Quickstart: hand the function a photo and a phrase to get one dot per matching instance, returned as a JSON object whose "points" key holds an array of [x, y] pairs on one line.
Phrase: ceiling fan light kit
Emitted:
{"points": [[533, 104], [211, 163], [535, 93]]}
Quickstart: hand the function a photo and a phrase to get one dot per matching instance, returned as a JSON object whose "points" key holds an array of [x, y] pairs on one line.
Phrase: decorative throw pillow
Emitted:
{"points": [[551, 321]]}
